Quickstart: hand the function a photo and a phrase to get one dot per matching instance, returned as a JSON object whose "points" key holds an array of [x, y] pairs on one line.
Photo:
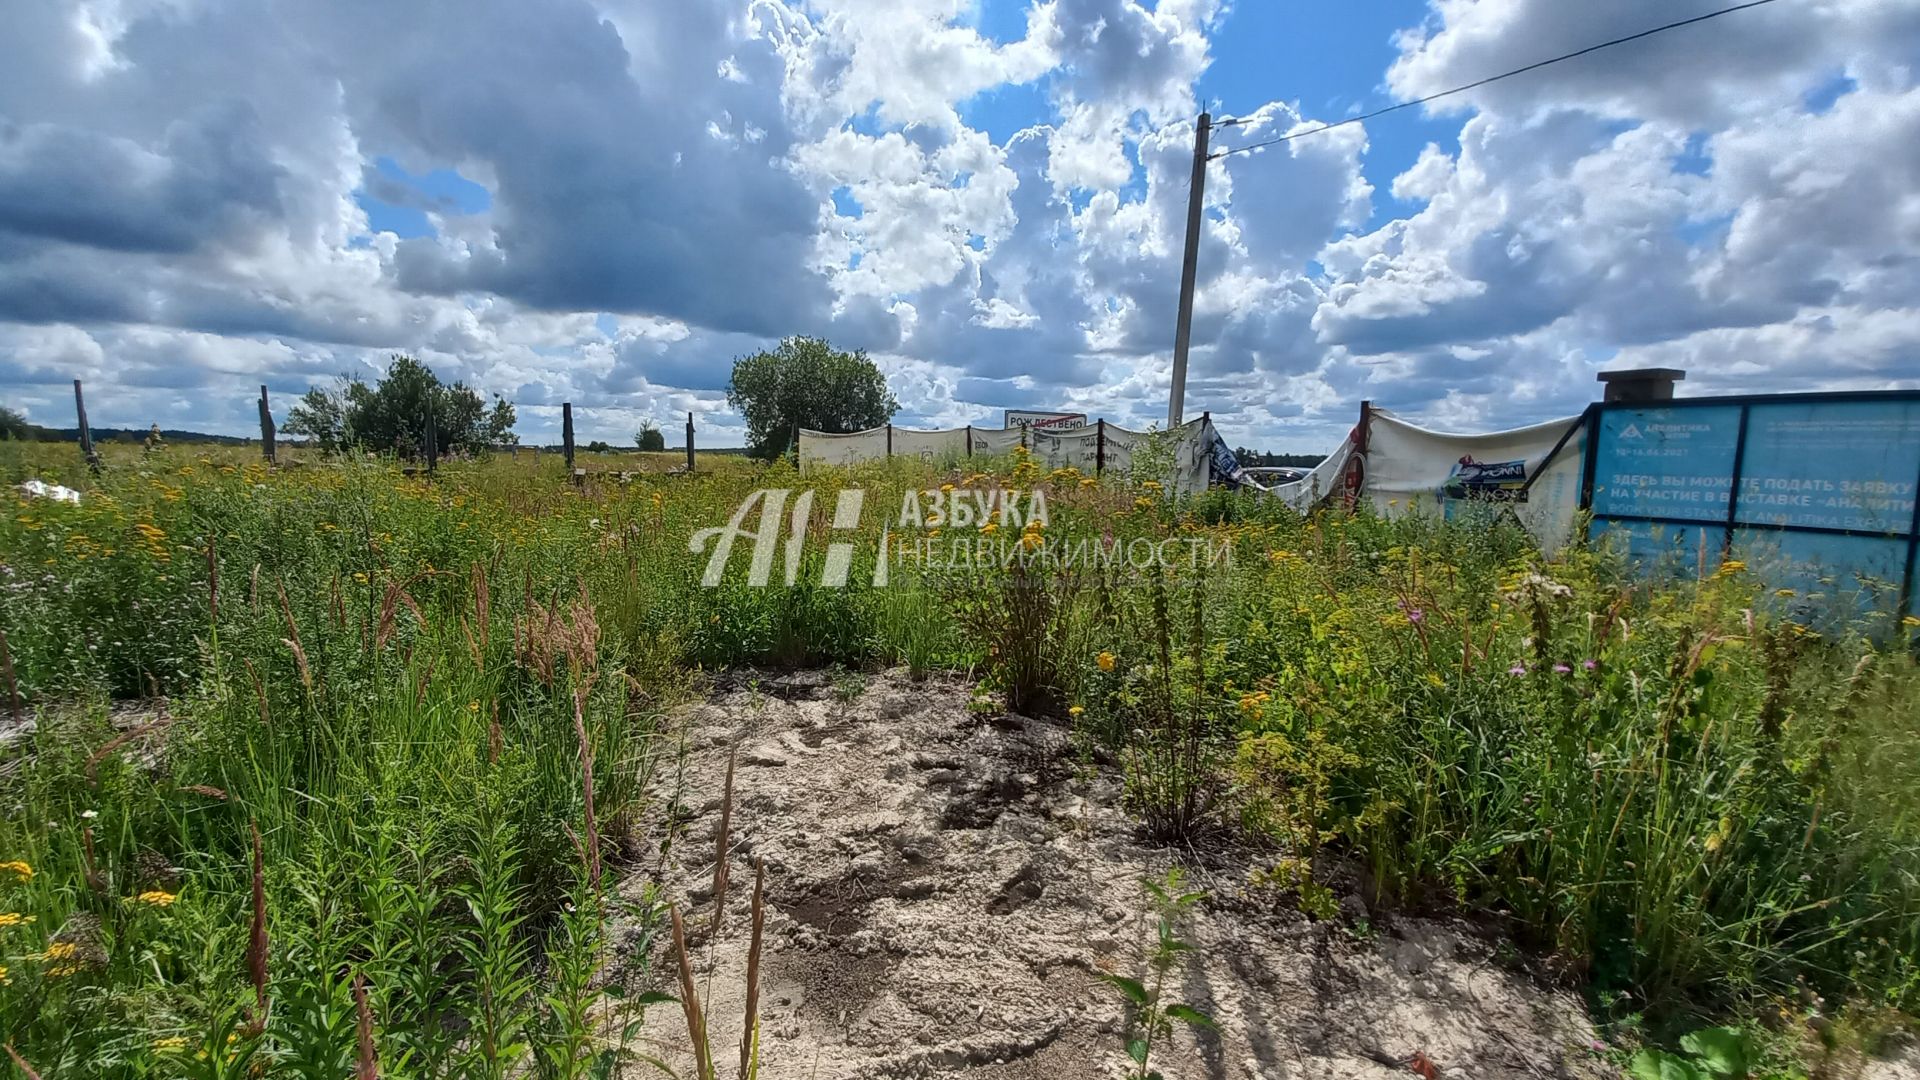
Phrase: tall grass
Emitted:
{"points": [[1693, 802]]}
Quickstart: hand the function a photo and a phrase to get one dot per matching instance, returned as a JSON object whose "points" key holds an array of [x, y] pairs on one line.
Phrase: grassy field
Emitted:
{"points": [[392, 740]]}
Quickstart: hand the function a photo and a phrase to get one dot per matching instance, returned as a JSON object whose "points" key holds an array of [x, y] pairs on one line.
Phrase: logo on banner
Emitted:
{"points": [[1631, 431], [1502, 481]]}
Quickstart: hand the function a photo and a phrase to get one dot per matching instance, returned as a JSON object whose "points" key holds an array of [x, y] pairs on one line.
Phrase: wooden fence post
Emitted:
{"points": [[1100, 448], [267, 445], [566, 433], [86, 434], [689, 442], [889, 438], [432, 441], [969, 440]]}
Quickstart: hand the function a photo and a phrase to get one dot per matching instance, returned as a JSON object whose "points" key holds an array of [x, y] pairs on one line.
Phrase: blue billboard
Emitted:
{"points": [[1816, 493]]}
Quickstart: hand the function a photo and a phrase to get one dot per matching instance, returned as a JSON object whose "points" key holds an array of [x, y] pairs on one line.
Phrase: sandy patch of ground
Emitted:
{"points": [[945, 888]]}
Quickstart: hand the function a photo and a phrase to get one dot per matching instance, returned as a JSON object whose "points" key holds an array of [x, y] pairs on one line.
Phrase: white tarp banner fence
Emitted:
{"points": [[1412, 470], [933, 447], [1533, 472], [1191, 447], [823, 448], [1325, 479]]}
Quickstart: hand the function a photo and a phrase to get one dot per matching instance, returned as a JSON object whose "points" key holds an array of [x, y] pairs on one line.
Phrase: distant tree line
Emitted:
{"points": [[15, 425], [1252, 458]]}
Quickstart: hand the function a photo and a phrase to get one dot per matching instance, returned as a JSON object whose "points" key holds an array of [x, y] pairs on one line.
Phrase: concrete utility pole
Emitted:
{"points": [[1196, 198]]}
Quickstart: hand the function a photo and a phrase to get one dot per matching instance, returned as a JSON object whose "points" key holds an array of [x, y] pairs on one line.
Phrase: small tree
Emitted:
{"points": [[649, 437], [321, 415], [392, 414], [806, 382], [15, 425]]}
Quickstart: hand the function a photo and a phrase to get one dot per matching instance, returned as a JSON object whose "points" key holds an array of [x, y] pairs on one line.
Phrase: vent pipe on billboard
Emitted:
{"points": [[1635, 385]]}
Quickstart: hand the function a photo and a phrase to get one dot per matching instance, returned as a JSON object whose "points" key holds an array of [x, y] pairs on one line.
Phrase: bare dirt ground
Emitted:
{"points": [[945, 888]]}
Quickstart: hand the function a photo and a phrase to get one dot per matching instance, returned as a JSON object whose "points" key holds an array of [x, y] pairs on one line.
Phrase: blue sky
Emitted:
{"points": [[607, 201]]}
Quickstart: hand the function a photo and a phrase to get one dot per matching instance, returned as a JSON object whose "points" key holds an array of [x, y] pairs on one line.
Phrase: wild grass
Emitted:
{"points": [[439, 702]]}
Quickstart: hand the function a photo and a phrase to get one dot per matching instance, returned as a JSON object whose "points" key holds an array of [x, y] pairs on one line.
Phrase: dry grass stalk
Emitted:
{"points": [[253, 590], [13, 689], [690, 1002], [720, 846], [750, 1039], [473, 647], [420, 682], [292, 641], [493, 735], [213, 578], [339, 603], [257, 937], [122, 739], [546, 643], [21, 1063], [390, 602], [208, 790], [482, 603], [96, 880], [363, 1031], [586, 786], [259, 693]]}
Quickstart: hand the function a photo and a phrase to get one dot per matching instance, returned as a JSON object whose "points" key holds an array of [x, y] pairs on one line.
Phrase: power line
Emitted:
{"points": [[1480, 82]]}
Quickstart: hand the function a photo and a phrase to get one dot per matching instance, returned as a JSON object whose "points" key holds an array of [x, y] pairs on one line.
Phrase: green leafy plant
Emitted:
{"points": [[1708, 1054], [1153, 1016]]}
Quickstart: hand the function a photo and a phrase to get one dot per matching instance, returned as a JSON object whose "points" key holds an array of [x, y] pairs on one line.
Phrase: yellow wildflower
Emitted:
{"points": [[1910, 620], [19, 868], [1076, 710], [1105, 660], [1142, 503], [990, 527], [62, 958], [170, 1044], [156, 898], [946, 487], [14, 918], [4, 980]]}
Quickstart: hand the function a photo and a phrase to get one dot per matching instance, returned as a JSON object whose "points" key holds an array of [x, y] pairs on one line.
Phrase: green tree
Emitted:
{"points": [[15, 425], [806, 383], [650, 436], [392, 414], [321, 415]]}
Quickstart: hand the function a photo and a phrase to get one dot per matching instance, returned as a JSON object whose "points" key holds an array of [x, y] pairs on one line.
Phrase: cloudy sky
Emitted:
{"points": [[606, 201]]}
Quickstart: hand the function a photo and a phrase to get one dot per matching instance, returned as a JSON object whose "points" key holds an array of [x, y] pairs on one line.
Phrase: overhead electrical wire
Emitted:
{"points": [[1476, 83]]}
